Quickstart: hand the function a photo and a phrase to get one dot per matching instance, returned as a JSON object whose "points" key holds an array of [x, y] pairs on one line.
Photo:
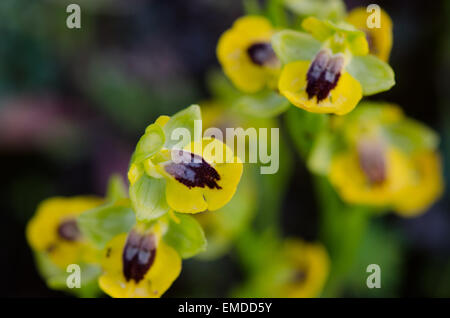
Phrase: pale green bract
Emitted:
{"points": [[291, 46], [149, 144], [373, 74], [101, 224], [185, 235], [184, 119], [265, 104], [148, 197]]}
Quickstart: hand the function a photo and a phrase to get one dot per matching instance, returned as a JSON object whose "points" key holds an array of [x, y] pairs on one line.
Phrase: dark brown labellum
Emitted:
{"points": [[68, 230], [192, 170], [138, 255], [372, 160], [262, 54], [323, 74]]}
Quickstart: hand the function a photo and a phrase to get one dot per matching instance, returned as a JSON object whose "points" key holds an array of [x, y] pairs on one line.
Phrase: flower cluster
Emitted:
{"points": [[323, 61], [325, 67], [134, 246]]}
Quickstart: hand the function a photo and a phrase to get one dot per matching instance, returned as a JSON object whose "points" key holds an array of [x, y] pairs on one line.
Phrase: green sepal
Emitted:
{"points": [[183, 119], [101, 224], [324, 9], [148, 196], [149, 144], [291, 46], [412, 136], [185, 235], [265, 104], [338, 37], [373, 74]]}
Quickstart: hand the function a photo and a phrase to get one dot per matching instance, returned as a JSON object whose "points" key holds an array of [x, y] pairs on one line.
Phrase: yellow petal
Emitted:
{"points": [[424, 188], [353, 186], [341, 100], [230, 175], [182, 199], [379, 39]]}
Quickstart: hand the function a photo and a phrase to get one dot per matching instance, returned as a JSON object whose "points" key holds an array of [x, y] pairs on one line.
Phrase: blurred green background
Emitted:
{"points": [[73, 103]]}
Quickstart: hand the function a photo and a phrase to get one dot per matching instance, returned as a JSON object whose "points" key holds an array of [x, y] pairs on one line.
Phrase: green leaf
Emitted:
{"points": [[265, 104], [186, 236], [373, 74], [183, 119], [411, 135], [148, 196], [325, 9], [291, 46], [149, 144], [101, 224], [116, 188]]}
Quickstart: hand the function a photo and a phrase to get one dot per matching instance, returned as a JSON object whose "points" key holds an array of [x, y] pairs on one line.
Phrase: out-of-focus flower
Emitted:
{"points": [[203, 175], [425, 186], [246, 54], [371, 174], [309, 269], [379, 39], [323, 85], [379, 157], [139, 265], [54, 231]]}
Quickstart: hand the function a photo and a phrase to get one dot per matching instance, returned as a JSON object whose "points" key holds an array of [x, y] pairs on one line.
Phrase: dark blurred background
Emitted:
{"points": [[73, 104]]}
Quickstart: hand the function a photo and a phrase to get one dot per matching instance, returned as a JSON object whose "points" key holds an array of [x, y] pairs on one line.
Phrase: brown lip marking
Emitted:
{"points": [[138, 255], [262, 54], [68, 230], [372, 160], [193, 171], [323, 74]]}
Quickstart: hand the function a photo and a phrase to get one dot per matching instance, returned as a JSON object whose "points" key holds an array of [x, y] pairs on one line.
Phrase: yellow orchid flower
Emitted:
{"points": [[246, 55], [202, 176], [139, 265], [310, 263], [379, 39], [321, 86], [54, 231], [425, 187], [371, 174]]}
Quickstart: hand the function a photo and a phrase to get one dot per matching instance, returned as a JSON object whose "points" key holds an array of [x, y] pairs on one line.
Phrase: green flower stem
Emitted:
{"points": [[251, 7], [342, 229], [276, 13]]}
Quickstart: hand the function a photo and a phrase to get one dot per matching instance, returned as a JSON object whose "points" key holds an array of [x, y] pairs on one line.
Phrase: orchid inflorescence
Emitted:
{"points": [[324, 62]]}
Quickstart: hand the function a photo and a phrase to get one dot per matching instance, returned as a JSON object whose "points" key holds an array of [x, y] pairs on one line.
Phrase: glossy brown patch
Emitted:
{"points": [[193, 171], [68, 230], [323, 74], [372, 160], [138, 255], [262, 54]]}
